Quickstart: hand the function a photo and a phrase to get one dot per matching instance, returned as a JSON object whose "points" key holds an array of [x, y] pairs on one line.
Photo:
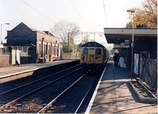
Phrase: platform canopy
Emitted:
{"points": [[119, 35]]}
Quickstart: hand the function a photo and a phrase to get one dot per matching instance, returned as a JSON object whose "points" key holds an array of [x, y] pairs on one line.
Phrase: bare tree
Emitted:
{"points": [[66, 31], [85, 39]]}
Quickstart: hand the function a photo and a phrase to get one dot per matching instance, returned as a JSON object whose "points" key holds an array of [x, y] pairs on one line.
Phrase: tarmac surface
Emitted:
{"points": [[114, 95], [9, 70]]}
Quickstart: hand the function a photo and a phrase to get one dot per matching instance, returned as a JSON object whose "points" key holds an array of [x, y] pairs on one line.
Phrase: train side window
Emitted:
{"points": [[98, 51], [85, 51]]}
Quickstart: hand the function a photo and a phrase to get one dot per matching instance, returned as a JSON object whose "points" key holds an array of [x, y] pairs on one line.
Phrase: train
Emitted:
{"points": [[93, 56]]}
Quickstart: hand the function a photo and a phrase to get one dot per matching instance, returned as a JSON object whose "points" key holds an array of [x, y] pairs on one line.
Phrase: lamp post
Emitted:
{"points": [[2, 31], [132, 44], [68, 42], [69, 54]]}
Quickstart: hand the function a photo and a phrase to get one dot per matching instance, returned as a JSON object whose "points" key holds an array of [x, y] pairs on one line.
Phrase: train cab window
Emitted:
{"points": [[98, 51], [85, 51]]}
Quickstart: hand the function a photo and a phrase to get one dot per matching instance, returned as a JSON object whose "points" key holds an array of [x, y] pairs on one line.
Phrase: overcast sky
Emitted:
{"points": [[89, 15]]}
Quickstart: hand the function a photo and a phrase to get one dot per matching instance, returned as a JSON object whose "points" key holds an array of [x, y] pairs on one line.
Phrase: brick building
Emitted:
{"points": [[28, 45]]}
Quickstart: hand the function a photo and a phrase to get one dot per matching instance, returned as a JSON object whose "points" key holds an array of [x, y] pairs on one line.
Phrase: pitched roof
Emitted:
{"points": [[43, 32], [92, 44]]}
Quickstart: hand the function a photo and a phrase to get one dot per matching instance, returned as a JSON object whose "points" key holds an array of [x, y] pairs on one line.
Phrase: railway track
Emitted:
{"points": [[21, 96], [66, 91], [73, 98], [6, 87]]}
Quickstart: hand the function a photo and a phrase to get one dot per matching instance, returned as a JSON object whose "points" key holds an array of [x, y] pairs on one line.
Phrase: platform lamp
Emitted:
{"points": [[2, 31], [132, 44]]}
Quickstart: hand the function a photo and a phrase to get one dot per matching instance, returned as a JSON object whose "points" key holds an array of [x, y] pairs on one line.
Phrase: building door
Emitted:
{"points": [[13, 55], [17, 56]]}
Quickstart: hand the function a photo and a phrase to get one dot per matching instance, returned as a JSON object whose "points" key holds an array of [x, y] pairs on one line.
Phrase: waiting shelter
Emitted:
{"points": [[144, 51]]}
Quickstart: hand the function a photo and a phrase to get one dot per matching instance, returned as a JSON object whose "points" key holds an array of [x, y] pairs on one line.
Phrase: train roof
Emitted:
{"points": [[92, 44]]}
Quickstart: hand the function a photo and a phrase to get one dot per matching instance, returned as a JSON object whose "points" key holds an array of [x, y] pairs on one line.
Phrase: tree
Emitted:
{"points": [[146, 16], [66, 48], [85, 39], [67, 32]]}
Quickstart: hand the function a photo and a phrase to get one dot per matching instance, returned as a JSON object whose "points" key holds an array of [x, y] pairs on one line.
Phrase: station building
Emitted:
{"points": [[144, 51], [27, 45]]}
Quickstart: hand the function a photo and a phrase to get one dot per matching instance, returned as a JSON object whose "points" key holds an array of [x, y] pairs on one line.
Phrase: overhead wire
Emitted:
{"points": [[53, 20], [17, 9], [79, 13], [88, 11], [51, 12], [38, 11], [48, 9], [12, 7], [91, 34]]}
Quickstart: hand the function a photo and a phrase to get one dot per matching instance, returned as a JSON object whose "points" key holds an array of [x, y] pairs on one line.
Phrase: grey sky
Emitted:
{"points": [[87, 14]]}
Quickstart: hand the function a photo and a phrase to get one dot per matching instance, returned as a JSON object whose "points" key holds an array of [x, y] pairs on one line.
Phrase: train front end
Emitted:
{"points": [[93, 56]]}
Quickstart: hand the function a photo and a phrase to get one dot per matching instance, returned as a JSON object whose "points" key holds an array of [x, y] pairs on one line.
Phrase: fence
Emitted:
{"points": [[4, 60]]}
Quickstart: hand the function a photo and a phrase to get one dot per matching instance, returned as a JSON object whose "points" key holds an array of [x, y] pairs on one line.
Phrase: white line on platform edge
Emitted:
{"points": [[94, 94]]}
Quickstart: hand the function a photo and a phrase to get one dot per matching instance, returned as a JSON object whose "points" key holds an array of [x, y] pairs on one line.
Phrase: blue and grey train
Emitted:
{"points": [[93, 55]]}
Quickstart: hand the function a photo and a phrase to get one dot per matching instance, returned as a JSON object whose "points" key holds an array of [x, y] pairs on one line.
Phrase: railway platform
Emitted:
{"points": [[11, 70], [114, 95]]}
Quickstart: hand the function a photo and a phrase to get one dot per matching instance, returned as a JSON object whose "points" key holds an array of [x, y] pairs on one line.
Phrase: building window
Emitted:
{"points": [[23, 51]]}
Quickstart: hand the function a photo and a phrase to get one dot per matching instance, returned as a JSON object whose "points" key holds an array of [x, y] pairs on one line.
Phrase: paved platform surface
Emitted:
{"points": [[114, 95], [6, 71]]}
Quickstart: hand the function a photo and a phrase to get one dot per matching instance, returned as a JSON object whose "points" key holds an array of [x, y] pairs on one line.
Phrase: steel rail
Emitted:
{"points": [[83, 99], [59, 95], [13, 101], [27, 84]]}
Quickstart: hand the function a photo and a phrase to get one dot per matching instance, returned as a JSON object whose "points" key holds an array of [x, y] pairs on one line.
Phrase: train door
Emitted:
{"points": [[98, 56], [84, 55], [91, 55], [91, 58]]}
